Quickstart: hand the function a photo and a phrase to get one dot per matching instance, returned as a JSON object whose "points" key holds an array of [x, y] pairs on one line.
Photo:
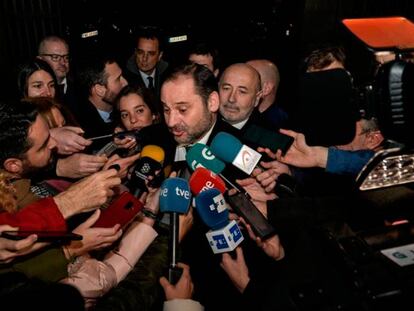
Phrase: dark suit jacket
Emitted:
{"points": [[93, 125]]}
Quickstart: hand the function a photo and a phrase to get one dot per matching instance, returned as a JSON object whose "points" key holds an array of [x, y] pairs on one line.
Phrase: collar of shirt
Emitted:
{"points": [[105, 115], [181, 150], [144, 77], [239, 125], [65, 84]]}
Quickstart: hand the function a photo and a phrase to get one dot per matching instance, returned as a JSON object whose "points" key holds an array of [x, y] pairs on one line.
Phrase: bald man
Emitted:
{"points": [[270, 79]]}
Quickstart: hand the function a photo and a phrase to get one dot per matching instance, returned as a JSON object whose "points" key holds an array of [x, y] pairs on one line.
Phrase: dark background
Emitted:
{"points": [[281, 30]]}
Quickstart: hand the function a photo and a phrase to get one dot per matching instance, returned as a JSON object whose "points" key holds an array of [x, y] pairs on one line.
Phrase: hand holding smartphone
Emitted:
{"points": [[42, 236]]}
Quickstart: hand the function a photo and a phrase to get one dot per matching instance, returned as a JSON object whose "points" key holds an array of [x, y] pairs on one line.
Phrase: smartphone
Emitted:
{"points": [[42, 236], [108, 149], [121, 210], [268, 139]]}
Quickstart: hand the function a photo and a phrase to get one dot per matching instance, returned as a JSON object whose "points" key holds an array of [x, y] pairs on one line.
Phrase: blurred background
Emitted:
{"points": [[281, 30]]}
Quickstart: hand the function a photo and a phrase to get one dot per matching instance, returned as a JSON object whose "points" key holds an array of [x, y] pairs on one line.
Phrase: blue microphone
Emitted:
{"points": [[229, 149], [175, 198], [224, 236]]}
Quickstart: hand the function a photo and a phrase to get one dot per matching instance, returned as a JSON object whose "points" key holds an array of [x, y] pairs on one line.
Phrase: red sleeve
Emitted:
{"points": [[40, 215]]}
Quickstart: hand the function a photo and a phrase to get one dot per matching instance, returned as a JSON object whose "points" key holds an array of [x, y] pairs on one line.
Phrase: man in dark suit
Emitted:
{"points": [[190, 99], [55, 51], [102, 81], [146, 66]]}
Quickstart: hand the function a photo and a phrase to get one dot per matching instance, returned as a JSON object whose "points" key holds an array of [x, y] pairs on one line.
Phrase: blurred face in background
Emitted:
{"points": [[40, 83], [56, 54], [115, 82], [135, 113], [147, 54]]}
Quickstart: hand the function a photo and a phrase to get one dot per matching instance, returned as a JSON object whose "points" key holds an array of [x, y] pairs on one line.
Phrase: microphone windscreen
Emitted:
{"points": [[225, 147], [212, 208], [200, 155], [203, 179], [154, 152], [175, 196]]}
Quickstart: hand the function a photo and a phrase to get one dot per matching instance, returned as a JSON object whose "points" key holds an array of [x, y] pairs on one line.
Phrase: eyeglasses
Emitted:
{"points": [[57, 57]]}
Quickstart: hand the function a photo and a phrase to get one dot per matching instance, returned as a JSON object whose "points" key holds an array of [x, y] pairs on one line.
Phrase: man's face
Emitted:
{"points": [[60, 65], [147, 54], [205, 60], [187, 116], [39, 156], [239, 93], [115, 82]]}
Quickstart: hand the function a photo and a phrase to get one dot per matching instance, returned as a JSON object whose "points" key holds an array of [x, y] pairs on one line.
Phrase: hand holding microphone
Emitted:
{"points": [[175, 197], [240, 202], [149, 163]]}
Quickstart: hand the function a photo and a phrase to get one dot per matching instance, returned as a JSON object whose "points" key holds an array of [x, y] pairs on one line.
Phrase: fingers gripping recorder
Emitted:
{"points": [[175, 197]]}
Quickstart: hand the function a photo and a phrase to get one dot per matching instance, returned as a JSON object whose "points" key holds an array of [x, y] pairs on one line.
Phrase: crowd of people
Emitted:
{"points": [[71, 145]]}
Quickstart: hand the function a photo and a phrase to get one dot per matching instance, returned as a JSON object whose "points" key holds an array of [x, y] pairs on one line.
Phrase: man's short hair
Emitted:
{"points": [[205, 48], [15, 122], [322, 58], [204, 80], [93, 71], [152, 33], [42, 45]]}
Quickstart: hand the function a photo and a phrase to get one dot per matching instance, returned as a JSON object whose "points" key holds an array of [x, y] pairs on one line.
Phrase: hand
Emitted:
{"points": [[236, 269], [151, 200], [79, 165], [10, 249], [69, 139], [186, 222], [271, 246], [128, 142], [93, 238], [300, 154], [268, 178], [124, 163], [184, 287], [88, 193]]}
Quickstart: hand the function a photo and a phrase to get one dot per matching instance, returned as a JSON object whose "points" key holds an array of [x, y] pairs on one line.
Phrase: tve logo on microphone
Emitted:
{"points": [[226, 239]]}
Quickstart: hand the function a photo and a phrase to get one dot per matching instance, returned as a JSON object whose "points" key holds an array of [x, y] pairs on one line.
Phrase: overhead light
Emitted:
{"points": [[389, 167]]}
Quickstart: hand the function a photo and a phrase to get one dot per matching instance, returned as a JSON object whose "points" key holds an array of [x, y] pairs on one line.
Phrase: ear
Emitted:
{"points": [[267, 88], [259, 96], [374, 139], [213, 102], [99, 90], [216, 72], [160, 56], [13, 165]]}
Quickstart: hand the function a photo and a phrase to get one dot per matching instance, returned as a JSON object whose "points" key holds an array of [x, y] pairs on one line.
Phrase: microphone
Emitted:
{"points": [[175, 197], [200, 155], [148, 164], [229, 149], [201, 180], [212, 208]]}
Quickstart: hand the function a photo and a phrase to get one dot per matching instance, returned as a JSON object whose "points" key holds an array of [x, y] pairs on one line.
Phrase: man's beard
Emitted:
{"points": [[198, 132], [34, 172]]}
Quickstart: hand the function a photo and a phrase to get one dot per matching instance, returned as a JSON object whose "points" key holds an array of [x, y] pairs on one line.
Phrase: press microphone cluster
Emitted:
{"points": [[201, 156]]}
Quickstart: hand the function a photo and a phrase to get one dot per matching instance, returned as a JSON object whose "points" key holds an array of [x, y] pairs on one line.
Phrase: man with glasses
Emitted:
{"points": [[55, 51]]}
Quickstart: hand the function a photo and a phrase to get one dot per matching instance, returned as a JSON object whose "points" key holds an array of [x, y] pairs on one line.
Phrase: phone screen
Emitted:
{"points": [[42, 236]]}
